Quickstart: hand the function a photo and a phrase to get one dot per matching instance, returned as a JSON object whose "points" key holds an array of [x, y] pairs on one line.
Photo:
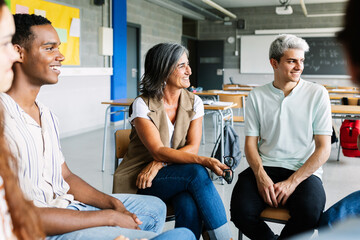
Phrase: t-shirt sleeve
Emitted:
{"points": [[252, 124], [198, 108], [322, 124], [139, 109]]}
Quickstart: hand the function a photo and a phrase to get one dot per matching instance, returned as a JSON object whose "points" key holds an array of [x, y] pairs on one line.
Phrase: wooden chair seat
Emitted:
{"points": [[280, 214], [238, 119], [276, 215]]}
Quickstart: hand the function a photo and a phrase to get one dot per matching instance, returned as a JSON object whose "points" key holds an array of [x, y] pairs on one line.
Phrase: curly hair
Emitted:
{"points": [[160, 62], [26, 223], [23, 23]]}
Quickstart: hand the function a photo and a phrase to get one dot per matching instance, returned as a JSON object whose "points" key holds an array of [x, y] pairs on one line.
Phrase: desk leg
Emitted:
{"points": [[338, 155], [215, 122], [231, 117], [125, 118], [203, 131], [222, 141], [222, 135], [105, 135]]}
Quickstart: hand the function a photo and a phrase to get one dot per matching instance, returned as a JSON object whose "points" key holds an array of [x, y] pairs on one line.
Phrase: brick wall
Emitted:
{"points": [[157, 24]]}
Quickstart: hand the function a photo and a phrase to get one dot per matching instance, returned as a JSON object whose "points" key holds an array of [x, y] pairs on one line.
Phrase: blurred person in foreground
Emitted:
{"points": [[18, 217], [349, 37]]}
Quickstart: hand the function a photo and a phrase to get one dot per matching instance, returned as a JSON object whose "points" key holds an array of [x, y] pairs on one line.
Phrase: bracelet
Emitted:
{"points": [[164, 164]]}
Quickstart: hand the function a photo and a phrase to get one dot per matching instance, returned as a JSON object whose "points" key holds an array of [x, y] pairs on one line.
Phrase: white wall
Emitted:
{"points": [[76, 100]]}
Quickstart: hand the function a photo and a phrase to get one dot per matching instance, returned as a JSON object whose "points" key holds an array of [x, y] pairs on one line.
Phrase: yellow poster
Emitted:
{"points": [[66, 21]]}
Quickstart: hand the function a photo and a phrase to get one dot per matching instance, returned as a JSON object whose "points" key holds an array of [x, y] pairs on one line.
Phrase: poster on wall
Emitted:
{"points": [[65, 19]]}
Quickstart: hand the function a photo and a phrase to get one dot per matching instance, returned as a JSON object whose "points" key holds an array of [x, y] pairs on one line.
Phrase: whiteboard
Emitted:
{"points": [[254, 53]]}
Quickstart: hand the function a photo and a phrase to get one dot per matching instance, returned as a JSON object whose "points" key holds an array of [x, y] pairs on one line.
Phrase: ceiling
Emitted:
{"points": [[257, 3], [199, 10]]}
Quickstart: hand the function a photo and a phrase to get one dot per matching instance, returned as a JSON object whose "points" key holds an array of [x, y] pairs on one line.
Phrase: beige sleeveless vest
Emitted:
{"points": [[137, 156]]}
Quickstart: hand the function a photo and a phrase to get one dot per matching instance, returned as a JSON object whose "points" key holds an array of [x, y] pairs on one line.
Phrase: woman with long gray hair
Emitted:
{"points": [[165, 138]]}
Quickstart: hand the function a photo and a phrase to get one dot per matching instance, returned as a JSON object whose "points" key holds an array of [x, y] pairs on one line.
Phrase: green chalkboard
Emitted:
{"points": [[325, 57]]}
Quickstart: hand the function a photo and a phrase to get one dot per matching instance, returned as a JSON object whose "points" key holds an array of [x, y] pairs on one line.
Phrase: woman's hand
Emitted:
{"points": [[145, 177], [216, 166]]}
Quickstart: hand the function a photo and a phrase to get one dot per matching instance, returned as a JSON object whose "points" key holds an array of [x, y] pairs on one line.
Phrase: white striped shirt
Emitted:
{"points": [[38, 151], [5, 218]]}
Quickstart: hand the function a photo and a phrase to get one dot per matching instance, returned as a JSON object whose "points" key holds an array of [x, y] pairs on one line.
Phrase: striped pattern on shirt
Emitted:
{"points": [[39, 155]]}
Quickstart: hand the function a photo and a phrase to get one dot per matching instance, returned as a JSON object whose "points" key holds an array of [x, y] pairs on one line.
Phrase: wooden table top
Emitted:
{"points": [[345, 109], [120, 102], [344, 91], [217, 107], [128, 101], [340, 96], [221, 92], [237, 88]]}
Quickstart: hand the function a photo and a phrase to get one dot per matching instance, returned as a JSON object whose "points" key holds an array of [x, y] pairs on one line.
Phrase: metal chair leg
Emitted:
{"points": [[203, 131], [104, 139]]}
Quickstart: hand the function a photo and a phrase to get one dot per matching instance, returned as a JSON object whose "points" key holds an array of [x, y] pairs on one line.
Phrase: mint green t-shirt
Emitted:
{"points": [[287, 125]]}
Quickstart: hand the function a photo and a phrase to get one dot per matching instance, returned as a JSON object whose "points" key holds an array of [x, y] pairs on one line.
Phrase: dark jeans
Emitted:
{"points": [[346, 208], [194, 197], [305, 204]]}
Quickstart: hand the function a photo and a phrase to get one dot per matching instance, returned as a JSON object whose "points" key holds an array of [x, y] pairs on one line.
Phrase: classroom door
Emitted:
{"points": [[133, 60], [210, 64]]}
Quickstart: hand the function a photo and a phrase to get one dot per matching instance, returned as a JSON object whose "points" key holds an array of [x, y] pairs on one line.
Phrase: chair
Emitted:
{"points": [[350, 101], [276, 215], [230, 85], [346, 101], [240, 101], [347, 87], [122, 141]]}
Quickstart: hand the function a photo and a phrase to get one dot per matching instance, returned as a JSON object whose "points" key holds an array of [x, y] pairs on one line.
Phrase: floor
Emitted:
{"points": [[83, 155]]}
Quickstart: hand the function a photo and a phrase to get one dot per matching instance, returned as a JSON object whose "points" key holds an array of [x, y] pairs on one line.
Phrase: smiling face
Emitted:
{"points": [[179, 78], [7, 53], [41, 58], [290, 66]]}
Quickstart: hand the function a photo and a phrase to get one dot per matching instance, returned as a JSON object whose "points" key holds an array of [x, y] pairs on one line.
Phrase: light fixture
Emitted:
{"points": [[220, 8], [302, 3], [284, 9], [201, 10], [178, 9]]}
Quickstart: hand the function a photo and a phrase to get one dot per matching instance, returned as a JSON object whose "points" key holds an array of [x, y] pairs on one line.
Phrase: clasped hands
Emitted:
{"points": [[274, 194], [120, 216]]}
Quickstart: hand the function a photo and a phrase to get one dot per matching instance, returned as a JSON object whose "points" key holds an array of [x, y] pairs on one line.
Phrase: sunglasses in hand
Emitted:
{"points": [[228, 174]]}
